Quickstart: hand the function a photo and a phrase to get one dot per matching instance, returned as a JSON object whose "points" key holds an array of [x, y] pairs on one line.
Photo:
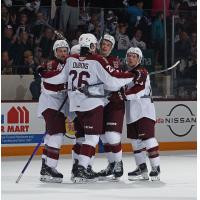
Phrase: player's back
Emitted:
{"points": [[83, 71]]}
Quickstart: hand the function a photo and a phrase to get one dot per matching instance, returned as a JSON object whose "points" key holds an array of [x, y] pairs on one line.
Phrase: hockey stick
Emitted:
{"points": [[38, 145], [54, 30], [165, 70], [87, 93]]}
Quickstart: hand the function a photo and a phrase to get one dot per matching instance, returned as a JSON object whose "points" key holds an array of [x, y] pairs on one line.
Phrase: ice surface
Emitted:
{"points": [[178, 181]]}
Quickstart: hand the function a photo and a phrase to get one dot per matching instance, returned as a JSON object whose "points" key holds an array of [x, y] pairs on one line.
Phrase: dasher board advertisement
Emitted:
{"points": [[175, 121]]}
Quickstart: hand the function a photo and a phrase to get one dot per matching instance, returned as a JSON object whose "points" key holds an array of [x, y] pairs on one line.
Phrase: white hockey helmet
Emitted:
{"points": [[110, 38], [75, 49], [88, 40], [60, 44], [137, 51]]}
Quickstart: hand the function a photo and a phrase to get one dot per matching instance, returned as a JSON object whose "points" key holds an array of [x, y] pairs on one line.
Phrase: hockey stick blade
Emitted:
{"points": [[165, 70]]}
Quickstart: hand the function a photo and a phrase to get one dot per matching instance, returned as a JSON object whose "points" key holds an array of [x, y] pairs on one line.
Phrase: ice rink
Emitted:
{"points": [[178, 181]]}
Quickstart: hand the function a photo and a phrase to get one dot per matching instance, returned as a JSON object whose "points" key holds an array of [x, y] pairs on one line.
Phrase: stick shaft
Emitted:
{"points": [[165, 70]]}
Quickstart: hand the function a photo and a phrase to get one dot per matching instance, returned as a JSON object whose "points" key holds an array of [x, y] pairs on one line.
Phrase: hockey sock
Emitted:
{"points": [[53, 149], [44, 154], [108, 152], [114, 139], [153, 151], [88, 149], [139, 151]]}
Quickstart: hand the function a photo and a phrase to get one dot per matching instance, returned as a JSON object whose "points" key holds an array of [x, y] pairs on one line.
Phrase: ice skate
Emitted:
{"points": [[90, 170], [74, 169], [83, 176], [106, 173], [155, 173], [118, 170], [49, 174], [141, 173]]}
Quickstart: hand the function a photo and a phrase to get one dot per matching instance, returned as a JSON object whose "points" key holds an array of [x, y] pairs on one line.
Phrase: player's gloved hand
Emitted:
{"points": [[118, 96], [140, 76], [41, 69]]}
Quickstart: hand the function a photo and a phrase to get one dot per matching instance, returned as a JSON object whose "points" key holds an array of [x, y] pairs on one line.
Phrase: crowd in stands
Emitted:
{"points": [[27, 42]]}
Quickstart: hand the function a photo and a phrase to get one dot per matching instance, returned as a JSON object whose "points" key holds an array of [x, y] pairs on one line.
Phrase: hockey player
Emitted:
{"points": [[140, 119], [75, 49], [113, 120], [86, 69], [53, 93]]}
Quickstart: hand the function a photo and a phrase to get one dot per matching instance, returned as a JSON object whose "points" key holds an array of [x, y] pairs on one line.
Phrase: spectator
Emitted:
{"points": [[136, 12], [30, 66], [157, 6], [38, 26], [77, 35], [6, 63], [123, 42], [70, 14], [94, 22], [5, 16], [136, 40], [111, 22], [28, 63], [158, 37], [183, 47], [38, 59], [46, 43], [23, 24], [21, 45], [7, 38]]}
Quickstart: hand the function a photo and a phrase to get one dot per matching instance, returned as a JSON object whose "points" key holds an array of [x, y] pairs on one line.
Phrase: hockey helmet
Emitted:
{"points": [[75, 49], [88, 40], [137, 51], [60, 44]]}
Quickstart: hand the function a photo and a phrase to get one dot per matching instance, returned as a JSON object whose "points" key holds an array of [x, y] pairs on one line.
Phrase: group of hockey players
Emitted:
{"points": [[99, 94]]}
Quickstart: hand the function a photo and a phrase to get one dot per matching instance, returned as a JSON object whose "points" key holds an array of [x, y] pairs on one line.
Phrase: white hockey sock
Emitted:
{"points": [[74, 156], [110, 157], [155, 161], [139, 151], [114, 139], [152, 147], [91, 161], [117, 157], [84, 160], [44, 154], [53, 147]]}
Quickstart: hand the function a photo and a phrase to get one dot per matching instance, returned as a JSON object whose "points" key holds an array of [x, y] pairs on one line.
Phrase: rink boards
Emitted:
{"points": [[21, 130]]}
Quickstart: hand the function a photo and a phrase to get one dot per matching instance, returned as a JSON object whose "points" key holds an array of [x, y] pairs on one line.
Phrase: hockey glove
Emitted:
{"points": [[118, 96]]}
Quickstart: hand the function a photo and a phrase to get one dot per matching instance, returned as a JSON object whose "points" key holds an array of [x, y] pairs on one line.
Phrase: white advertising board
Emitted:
{"points": [[176, 122]]}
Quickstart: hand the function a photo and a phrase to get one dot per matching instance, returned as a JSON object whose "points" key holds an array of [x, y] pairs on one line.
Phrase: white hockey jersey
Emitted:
{"points": [[94, 69], [136, 107], [53, 88]]}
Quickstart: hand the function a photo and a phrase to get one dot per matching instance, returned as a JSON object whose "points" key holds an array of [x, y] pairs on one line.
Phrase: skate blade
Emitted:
{"points": [[143, 177], [48, 179], [110, 178], [155, 178], [79, 180]]}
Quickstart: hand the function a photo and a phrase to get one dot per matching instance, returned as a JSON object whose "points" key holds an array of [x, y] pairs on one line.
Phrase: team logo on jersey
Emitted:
{"points": [[116, 64], [180, 120]]}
